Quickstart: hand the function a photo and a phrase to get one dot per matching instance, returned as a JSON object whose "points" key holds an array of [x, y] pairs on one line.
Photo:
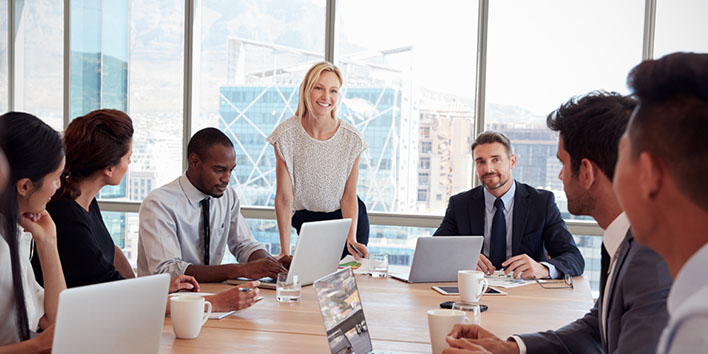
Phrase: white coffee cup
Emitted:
{"points": [[472, 285], [188, 316], [440, 323]]}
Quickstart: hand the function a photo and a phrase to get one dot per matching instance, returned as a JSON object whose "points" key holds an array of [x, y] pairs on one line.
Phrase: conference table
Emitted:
{"points": [[395, 313]]}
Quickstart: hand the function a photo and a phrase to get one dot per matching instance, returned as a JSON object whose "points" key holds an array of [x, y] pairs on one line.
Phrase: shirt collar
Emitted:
{"points": [[615, 233], [193, 194], [507, 198], [689, 279]]}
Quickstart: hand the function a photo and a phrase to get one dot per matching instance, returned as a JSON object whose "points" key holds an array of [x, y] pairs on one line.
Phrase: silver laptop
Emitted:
{"points": [[343, 314], [124, 316], [438, 258], [317, 253]]}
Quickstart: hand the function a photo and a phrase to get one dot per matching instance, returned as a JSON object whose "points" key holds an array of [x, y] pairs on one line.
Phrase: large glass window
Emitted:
{"points": [[542, 53], [250, 58], [681, 27], [39, 57], [129, 56], [409, 87]]}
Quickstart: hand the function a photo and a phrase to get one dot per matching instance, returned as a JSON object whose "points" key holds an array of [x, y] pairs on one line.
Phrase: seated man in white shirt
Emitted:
{"points": [[630, 312], [661, 183], [186, 225]]}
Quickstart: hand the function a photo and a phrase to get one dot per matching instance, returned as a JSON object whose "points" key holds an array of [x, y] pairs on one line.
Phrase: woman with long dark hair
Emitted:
{"points": [[35, 159]]}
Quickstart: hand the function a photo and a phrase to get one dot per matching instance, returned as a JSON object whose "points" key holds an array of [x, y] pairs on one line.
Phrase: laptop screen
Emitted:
{"points": [[342, 313]]}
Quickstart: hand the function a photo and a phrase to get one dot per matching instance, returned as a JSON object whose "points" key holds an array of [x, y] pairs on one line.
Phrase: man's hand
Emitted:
{"points": [[485, 265], [262, 267], [469, 338], [183, 282], [234, 298], [525, 267], [285, 261]]}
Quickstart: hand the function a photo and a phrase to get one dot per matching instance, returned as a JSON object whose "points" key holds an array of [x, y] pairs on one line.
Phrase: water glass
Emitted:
{"points": [[474, 314], [378, 265], [287, 290]]}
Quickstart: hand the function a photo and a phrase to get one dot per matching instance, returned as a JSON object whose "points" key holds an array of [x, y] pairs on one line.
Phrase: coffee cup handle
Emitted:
{"points": [[208, 312], [485, 286]]}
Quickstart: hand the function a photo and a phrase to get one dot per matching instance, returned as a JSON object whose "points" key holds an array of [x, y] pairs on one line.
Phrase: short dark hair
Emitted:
{"points": [[490, 137], [591, 127], [671, 120], [204, 139]]}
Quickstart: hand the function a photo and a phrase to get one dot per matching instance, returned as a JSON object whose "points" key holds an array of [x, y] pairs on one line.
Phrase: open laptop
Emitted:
{"points": [[343, 314], [124, 316], [317, 253], [438, 258]]}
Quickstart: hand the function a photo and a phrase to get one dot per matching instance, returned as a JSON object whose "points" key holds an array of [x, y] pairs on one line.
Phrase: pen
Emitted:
{"points": [[356, 250]]}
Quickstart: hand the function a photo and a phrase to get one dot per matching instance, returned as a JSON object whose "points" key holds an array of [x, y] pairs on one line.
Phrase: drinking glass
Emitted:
{"points": [[287, 291], [378, 265], [474, 315]]}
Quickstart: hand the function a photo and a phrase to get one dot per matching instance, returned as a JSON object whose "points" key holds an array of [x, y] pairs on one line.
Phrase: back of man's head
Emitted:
{"points": [[671, 121], [204, 139], [591, 127]]}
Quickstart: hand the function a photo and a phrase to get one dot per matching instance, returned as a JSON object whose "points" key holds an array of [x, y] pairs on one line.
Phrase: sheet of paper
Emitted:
{"points": [[359, 266], [499, 279]]}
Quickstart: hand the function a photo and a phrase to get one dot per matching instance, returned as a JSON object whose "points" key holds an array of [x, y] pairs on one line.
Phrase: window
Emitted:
{"points": [[520, 93], [394, 77], [676, 19], [422, 195], [424, 163], [425, 132], [426, 147], [130, 57], [39, 56], [252, 57], [423, 178]]}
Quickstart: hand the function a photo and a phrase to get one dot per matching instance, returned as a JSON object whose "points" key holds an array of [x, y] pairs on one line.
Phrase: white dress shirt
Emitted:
{"points": [[171, 230], [612, 238], [34, 294], [687, 331], [490, 210]]}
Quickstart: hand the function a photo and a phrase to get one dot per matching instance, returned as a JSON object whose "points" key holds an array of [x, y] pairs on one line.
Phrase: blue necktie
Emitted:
{"points": [[497, 245]]}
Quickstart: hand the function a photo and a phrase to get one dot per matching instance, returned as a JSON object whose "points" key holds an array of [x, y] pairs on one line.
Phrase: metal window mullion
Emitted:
{"points": [[649, 29], [66, 104], [481, 75], [10, 55], [330, 16], [188, 70]]}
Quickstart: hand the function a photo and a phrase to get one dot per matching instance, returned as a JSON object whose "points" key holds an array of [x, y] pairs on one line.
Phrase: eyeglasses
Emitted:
{"points": [[566, 283]]}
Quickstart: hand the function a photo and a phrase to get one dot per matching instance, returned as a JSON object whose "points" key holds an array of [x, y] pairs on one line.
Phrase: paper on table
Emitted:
{"points": [[359, 266], [499, 279]]}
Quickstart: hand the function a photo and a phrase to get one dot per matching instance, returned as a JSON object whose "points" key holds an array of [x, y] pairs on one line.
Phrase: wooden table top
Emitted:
{"points": [[395, 313]]}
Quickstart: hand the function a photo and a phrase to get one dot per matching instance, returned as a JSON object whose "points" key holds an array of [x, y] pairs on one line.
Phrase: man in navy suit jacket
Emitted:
{"points": [[532, 225]]}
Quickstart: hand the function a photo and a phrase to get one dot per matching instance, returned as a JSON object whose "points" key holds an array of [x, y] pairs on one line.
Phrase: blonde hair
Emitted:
{"points": [[304, 105]]}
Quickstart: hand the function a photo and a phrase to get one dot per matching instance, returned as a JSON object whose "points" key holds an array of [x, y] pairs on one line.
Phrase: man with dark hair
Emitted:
{"points": [[522, 226], [186, 225], [631, 310], [661, 184]]}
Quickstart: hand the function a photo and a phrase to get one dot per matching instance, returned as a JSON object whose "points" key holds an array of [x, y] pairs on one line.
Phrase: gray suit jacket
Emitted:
{"points": [[637, 312]]}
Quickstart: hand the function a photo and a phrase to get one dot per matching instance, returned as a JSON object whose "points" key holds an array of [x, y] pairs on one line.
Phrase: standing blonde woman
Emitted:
{"points": [[317, 163]]}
